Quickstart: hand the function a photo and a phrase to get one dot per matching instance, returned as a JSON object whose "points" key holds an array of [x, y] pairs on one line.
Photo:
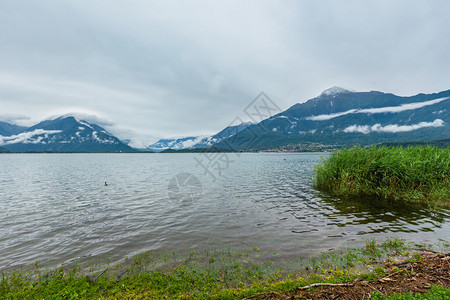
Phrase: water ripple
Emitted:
{"points": [[55, 208]]}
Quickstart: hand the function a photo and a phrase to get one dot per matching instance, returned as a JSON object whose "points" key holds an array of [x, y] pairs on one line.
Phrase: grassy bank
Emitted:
{"points": [[416, 174], [231, 275]]}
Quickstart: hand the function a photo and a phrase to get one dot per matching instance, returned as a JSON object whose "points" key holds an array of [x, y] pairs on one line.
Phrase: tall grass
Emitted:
{"points": [[416, 174]]}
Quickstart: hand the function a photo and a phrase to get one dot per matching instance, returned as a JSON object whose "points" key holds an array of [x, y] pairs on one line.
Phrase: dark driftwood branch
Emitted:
{"points": [[329, 284]]}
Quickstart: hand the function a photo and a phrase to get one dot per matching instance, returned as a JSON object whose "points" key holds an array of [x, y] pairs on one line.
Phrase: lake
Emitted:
{"points": [[56, 208]]}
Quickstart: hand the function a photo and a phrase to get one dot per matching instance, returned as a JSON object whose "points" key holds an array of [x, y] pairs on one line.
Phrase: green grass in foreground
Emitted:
{"points": [[222, 274], [415, 174]]}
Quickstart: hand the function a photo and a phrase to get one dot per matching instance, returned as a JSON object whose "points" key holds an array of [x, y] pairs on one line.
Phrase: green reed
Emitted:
{"points": [[416, 174]]}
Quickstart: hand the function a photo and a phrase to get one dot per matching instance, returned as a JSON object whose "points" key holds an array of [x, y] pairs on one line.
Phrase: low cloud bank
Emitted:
{"points": [[393, 128], [30, 137], [379, 110]]}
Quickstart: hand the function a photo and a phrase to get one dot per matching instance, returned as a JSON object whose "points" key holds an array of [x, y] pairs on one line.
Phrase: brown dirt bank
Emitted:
{"points": [[403, 277]]}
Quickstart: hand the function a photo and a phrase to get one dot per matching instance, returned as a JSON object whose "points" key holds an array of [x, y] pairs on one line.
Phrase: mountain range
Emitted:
{"points": [[196, 142], [337, 116], [63, 134]]}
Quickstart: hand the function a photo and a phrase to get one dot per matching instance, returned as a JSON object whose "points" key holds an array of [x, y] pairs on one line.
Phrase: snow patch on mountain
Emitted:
{"points": [[439, 112], [100, 140], [84, 123], [392, 128]]}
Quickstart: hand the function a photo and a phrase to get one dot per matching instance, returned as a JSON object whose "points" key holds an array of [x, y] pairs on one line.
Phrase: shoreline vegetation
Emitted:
{"points": [[380, 270], [418, 174]]}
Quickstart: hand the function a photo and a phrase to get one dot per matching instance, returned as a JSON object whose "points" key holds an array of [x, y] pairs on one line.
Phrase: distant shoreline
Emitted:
{"points": [[162, 152], [294, 148]]}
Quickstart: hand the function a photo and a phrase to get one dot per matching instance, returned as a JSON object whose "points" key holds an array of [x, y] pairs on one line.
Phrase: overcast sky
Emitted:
{"points": [[150, 69]]}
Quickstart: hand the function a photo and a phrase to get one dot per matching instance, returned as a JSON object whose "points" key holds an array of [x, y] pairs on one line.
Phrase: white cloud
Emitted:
{"points": [[85, 116], [30, 137], [190, 143], [378, 110], [393, 128], [331, 116], [403, 107], [358, 128]]}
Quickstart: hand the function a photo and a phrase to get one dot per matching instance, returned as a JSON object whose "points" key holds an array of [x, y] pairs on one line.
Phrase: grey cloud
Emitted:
{"points": [[174, 68], [14, 118]]}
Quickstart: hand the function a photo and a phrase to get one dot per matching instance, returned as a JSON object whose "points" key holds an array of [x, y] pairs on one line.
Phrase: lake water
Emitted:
{"points": [[55, 208]]}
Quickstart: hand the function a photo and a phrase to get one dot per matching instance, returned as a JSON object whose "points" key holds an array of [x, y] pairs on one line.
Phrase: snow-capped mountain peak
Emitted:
{"points": [[333, 91]]}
